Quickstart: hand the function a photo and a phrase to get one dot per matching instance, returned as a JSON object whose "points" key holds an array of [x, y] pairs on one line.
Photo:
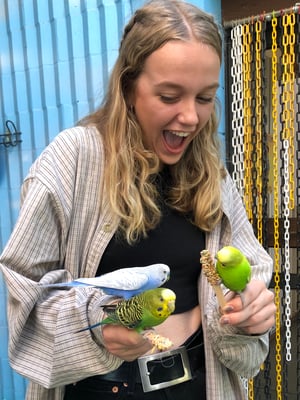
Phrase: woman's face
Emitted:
{"points": [[174, 96]]}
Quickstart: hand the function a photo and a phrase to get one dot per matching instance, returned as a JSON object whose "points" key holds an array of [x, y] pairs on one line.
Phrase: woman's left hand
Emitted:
{"points": [[252, 311]]}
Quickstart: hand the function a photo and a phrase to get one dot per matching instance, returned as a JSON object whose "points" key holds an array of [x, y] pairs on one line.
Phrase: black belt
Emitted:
{"points": [[161, 370]]}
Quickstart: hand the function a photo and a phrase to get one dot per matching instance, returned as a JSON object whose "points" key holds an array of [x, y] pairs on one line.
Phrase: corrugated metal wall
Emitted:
{"points": [[55, 56]]}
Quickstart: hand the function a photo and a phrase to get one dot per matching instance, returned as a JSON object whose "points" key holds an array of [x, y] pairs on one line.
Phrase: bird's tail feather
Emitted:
{"points": [[63, 285], [90, 327]]}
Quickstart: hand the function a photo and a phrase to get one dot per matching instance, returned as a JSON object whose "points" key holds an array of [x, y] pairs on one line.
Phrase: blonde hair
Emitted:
{"points": [[130, 168]]}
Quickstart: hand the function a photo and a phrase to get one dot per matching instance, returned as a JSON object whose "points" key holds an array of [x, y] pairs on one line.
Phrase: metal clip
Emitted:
{"points": [[11, 137]]}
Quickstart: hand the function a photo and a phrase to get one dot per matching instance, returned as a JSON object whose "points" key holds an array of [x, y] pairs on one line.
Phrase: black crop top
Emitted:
{"points": [[175, 242]]}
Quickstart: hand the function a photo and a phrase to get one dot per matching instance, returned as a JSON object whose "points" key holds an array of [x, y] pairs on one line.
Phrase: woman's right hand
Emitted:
{"points": [[124, 343]]}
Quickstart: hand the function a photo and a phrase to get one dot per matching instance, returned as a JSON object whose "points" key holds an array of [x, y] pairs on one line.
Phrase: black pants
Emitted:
{"points": [[97, 388]]}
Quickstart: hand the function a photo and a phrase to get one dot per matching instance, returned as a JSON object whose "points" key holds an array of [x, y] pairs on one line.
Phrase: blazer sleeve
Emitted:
{"points": [[241, 353], [44, 345]]}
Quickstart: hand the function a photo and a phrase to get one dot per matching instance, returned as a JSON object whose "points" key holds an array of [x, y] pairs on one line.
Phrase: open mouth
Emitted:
{"points": [[175, 139]]}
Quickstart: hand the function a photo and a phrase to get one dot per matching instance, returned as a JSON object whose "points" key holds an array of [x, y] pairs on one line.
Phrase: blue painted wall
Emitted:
{"points": [[55, 57]]}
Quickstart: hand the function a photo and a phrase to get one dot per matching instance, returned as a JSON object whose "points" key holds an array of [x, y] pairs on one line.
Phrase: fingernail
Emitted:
{"points": [[228, 309], [224, 321]]}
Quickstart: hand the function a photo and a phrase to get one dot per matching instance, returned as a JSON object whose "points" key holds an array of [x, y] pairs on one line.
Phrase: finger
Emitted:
{"points": [[235, 304], [237, 301], [260, 328], [242, 302], [128, 353], [251, 318], [252, 292], [124, 343]]}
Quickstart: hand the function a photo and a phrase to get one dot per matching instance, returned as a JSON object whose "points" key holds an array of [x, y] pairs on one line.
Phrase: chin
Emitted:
{"points": [[170, 160]]}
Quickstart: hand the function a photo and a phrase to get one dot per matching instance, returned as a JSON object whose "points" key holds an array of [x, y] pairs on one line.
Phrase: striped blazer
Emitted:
{"points": [[63, 228]]}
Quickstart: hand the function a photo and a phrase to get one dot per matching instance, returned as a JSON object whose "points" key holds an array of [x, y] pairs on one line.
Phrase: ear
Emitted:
{"points": [[131, 108], [130, 101], [130, 97]]}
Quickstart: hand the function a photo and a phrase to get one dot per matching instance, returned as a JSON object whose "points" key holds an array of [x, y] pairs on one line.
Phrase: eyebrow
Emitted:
{"points": [[173, 85]]}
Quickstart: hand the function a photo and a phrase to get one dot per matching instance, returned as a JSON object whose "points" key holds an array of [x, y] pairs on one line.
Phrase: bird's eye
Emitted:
{"points": [[161, 299], [159, 309]]}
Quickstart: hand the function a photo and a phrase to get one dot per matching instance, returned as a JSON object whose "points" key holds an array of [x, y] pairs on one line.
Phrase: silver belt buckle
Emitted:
{"points": [[146, 374]]}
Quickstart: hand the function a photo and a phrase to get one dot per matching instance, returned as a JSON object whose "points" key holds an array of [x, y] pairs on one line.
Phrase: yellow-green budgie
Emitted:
{"points": [[233, 267], [140, 312]]}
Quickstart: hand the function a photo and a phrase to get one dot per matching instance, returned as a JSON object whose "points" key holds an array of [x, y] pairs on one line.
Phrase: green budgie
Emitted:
{"points": [[140, 312], [233, 268]]}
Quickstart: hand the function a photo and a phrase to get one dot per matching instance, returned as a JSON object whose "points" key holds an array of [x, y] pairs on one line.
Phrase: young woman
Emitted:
{"points": [[137, 182]]}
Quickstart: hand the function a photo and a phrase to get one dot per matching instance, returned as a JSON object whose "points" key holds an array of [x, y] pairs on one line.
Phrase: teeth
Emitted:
{"points": [[180, 134]]}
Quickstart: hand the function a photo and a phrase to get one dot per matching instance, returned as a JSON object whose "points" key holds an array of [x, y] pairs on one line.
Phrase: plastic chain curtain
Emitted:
{"points": [[263, 156]]}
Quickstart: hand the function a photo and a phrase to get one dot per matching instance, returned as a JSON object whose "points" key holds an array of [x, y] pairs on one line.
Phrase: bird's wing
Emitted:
{"points": [[122, 279]]}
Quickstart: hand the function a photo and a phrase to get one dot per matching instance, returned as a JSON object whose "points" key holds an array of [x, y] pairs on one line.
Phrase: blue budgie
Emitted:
{"points": [[124, 282]]}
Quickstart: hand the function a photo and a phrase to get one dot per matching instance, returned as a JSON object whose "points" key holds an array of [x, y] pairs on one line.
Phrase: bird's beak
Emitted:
{"points": [[171, 305]]}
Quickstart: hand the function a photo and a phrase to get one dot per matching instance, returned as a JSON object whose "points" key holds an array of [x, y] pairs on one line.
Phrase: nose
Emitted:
{"points": [[188, 114]]}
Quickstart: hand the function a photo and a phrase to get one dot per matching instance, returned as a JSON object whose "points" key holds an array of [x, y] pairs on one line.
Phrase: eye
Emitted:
{"points": [[205, 99], [168, 99]]}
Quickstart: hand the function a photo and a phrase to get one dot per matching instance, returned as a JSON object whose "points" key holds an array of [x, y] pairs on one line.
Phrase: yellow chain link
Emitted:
{"points": [[258, 127], [248, 198], [292, 107], [292, 111], [258, 112], [250, 389], [275, 166], [288, 78]]}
